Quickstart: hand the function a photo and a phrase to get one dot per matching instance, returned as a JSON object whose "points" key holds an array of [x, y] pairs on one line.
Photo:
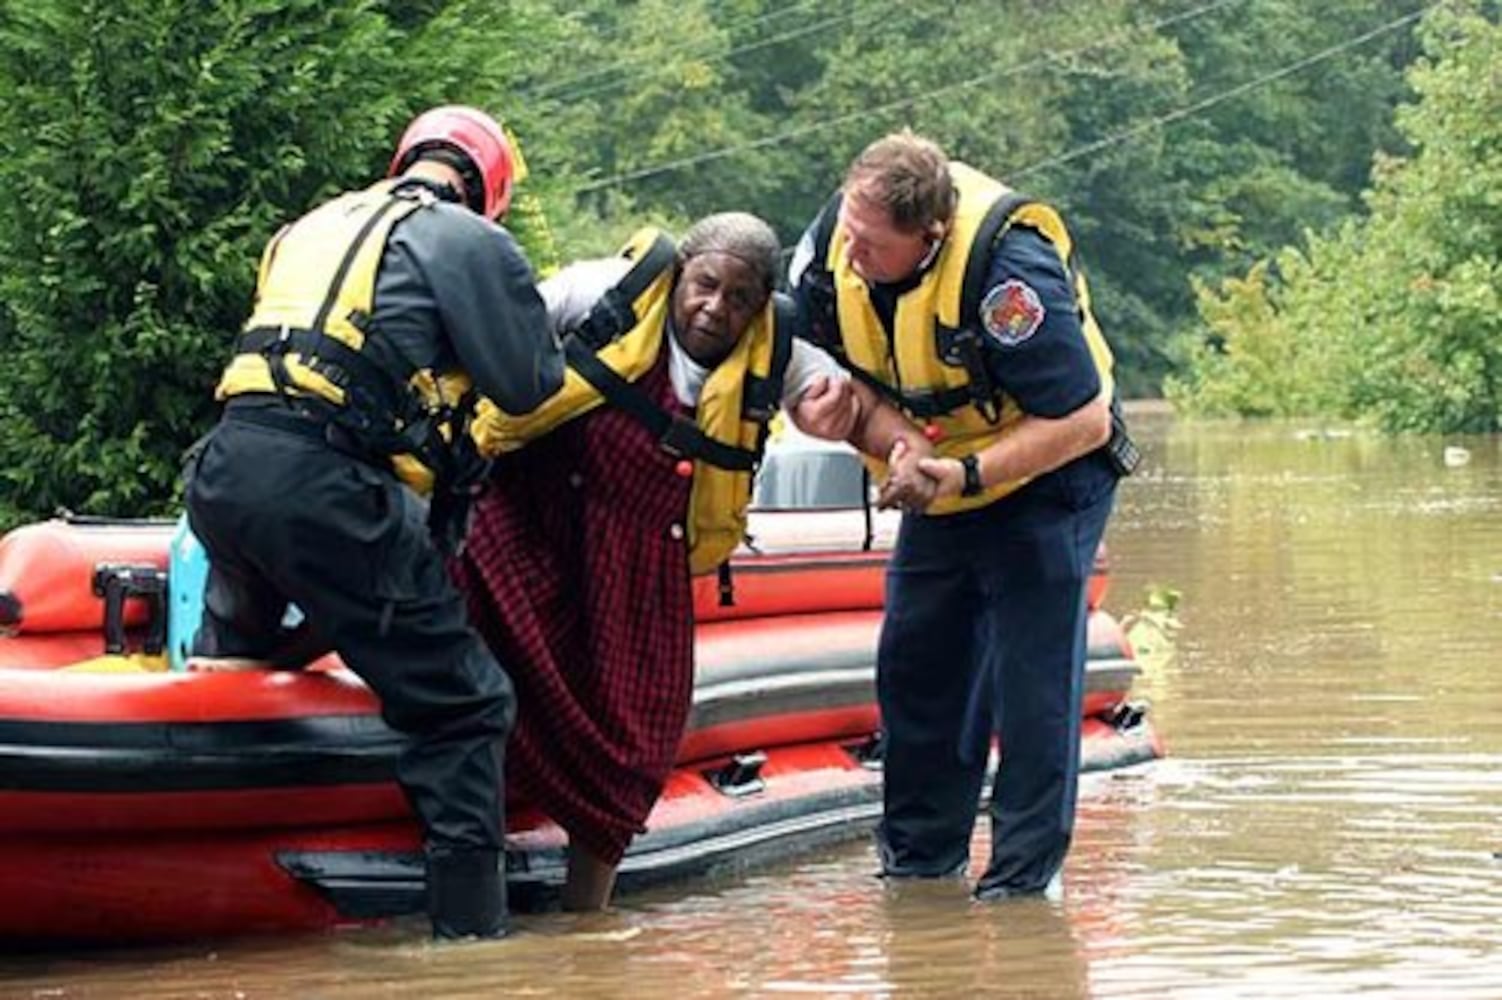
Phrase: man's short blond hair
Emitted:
{"points": [[908, 176]]}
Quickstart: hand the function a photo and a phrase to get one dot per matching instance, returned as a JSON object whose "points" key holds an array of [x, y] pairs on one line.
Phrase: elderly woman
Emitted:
{"points": [[635, 476]]}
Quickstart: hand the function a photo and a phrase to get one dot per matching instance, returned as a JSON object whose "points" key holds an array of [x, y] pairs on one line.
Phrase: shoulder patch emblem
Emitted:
{"points": [[1012, 312]]}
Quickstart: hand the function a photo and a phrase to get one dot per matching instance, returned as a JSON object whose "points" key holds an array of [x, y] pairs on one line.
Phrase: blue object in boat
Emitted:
{"points": [[187, 576]]}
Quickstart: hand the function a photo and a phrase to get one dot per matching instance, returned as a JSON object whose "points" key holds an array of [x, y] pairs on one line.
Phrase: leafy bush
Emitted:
{"points": [[150, 148], [1396, 318]]}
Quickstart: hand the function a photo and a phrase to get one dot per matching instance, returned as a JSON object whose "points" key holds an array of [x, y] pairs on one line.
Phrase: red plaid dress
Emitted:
{"points": [[576, 574]]}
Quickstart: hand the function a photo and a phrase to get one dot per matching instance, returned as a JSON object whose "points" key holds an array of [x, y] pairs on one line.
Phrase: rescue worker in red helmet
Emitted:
{"points": [[378, 319]]}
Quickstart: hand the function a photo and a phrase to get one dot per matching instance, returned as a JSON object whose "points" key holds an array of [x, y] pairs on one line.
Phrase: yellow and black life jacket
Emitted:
{"points": [[932, 365], [618, 344], [309, 339]]}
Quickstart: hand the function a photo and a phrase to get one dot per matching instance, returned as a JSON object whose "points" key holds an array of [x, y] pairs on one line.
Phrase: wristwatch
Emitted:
{"points": [[973, 485]]}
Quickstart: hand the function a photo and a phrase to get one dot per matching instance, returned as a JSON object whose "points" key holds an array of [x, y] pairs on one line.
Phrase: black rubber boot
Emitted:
{"points": [[466, 894]]}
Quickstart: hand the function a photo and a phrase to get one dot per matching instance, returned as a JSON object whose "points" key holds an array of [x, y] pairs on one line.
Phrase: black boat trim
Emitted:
{"points": [[330, 750], [365, 885], [146, 757], [781, 563]]}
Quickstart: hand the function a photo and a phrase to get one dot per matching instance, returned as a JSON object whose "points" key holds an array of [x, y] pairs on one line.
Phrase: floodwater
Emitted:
{"points": [[1327, 822]]}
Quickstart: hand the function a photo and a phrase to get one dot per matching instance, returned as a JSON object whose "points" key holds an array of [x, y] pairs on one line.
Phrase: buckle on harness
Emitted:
{"points": [[680, 438], [611, 316], [1121, 451], [967, 349]]}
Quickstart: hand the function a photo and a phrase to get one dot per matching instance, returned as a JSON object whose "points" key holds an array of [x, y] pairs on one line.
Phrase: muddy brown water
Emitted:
{"points": [[1327, 822]]}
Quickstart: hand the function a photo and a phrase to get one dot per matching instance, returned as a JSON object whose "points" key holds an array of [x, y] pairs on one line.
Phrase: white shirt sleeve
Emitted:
{"points": [[806, 363], [571, 293]]}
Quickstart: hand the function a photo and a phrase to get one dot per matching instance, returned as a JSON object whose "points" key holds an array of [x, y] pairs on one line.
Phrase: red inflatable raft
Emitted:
{"points": [[143, 806]]}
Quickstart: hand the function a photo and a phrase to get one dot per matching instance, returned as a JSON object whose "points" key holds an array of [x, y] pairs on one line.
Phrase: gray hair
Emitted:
{"points": [[739, 234]]}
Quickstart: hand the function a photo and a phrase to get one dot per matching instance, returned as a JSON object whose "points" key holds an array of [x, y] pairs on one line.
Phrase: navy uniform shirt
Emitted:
{"points": [[454, 286], [1036, 351], [1035, 348], [1029, 320]]}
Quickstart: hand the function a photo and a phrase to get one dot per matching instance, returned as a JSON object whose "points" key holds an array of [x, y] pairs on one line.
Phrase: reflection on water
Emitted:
{"points": [[1326, 823]]}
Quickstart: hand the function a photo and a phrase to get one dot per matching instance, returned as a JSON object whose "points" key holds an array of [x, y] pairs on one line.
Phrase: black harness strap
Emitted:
{"points": [[726, 584], [764, 395], [923, 405], [819, 285], [993, 225], [351, 371], [374, 389], [820, 323], [961, 344], [614, 314], [379, 406], [824, 225], [675, 435], [342, 273], [868, 537]]}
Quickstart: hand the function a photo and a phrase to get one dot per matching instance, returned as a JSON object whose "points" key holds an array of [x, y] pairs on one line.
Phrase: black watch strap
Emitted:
{"points": [[973, 486]]}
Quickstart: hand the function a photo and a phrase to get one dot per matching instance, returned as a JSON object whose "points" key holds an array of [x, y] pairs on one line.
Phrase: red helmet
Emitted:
{"points": [[475, 134]]}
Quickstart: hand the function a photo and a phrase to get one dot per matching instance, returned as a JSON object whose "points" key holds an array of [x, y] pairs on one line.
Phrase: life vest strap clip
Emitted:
{"points": [[610, 317], [680, 438]]}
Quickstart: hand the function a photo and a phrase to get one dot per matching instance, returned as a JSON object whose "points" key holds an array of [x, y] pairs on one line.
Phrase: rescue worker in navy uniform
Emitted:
{"points": [[377, 318], [959, 301]]}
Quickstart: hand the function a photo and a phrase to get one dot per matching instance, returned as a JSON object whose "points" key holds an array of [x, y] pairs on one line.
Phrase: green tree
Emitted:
{"points": [[637, 87], [1395, 316], [1431, 257], [150, 148], [1195, 198]]}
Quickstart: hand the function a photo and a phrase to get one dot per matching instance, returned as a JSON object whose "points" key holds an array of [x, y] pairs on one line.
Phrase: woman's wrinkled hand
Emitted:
{"points": [[828, 409]]}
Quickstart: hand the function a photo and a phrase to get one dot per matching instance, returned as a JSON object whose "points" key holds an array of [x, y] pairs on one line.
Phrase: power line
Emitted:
{"points": [[880, 15], [910, 11], [557, 89], [807, 29], [1189, 110], [548, 51], [799, 132], [772, 15]]}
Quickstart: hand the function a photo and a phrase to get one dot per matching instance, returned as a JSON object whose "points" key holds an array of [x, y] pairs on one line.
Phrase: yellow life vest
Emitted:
{"points": [[307, 335], [740, 397], [919, 366]]}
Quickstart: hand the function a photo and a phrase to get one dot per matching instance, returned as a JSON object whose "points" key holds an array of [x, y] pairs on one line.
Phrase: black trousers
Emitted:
{"points": [[286, 517]]}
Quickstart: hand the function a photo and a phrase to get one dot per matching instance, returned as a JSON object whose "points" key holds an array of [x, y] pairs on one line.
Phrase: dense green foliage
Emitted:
{"points": [[749, 106], [1395, 317], [150, 147]]}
